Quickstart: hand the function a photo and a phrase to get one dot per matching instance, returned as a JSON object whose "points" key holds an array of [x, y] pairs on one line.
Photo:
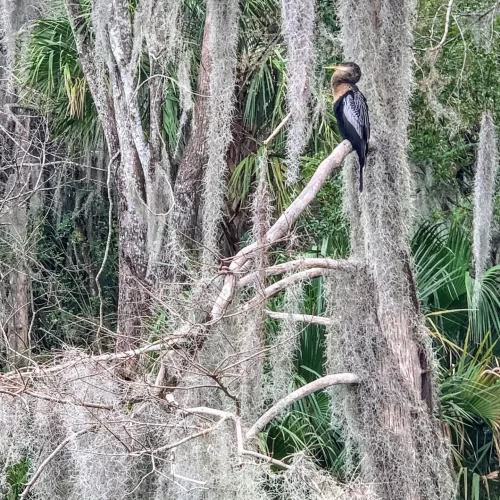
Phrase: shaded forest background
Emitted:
{"points": [[59, 227]]}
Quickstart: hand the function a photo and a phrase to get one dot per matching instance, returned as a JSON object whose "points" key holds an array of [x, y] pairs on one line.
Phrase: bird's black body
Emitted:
{"points": [[351, 111]]}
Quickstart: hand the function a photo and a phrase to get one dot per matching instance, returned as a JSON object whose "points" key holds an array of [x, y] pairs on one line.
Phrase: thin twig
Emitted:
{"points": [[46, 397], [183, 440], [106, 252], [277, 130], [446, 26]]}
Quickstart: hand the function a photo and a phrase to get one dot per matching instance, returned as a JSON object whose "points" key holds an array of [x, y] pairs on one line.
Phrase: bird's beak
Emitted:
{"points": [[333, 67]]}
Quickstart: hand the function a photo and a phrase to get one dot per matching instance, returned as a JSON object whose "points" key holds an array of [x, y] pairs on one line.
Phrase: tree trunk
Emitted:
{"points": [[389, 417], [185, 220], [16, 153], [14, 214], [139, 162]]}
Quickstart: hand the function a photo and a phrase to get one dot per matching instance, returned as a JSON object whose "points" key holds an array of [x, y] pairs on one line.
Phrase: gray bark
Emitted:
{"points": [[185, 220], [18, 160], [140, 164]]}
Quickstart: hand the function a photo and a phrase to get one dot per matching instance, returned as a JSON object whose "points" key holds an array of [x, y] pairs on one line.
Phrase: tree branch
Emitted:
{"points": [[302, 392], [446, 27], [44, 464], [183, 440], [280, 285], [275, 233], [281, 227], [40, 371], [46, 397], [277, 130], [321, 262], [304, 318], [106, 251]]}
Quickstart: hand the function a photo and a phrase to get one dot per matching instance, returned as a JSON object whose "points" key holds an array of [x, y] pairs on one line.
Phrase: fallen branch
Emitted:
{"points": [[40, 371], [302, 392], [44, 464]]}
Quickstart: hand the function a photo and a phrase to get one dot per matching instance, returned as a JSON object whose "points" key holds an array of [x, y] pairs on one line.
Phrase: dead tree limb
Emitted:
{"points": [[292, 265], [304, 318]]}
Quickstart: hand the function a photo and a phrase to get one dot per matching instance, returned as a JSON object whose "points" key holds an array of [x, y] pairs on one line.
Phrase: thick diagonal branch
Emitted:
{"points": [[283, 225]]}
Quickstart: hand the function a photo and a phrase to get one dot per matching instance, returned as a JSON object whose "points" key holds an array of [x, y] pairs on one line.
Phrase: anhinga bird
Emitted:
{"points": [[351, 110]]}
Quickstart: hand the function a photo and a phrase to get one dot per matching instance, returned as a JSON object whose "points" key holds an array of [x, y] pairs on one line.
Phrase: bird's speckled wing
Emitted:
{"points": [[355, 110]]}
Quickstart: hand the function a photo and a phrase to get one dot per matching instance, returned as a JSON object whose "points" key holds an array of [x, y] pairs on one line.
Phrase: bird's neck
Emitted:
{"points": [[339, 89]]}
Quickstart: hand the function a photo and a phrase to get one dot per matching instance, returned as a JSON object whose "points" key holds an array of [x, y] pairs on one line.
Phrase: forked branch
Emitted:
{"points": [[282, 226]]}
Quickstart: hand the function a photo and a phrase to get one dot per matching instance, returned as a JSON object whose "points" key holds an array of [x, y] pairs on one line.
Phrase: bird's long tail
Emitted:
{"points": [[362, 161]]}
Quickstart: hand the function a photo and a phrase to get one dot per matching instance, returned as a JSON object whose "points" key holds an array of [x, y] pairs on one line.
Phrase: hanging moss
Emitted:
{"points": [[484, 199], [391, 435], [298, 18], [223, 17]]}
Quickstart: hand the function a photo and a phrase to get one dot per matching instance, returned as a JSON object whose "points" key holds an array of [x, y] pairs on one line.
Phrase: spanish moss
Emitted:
{"points": [[298, 18], [484, 199]]}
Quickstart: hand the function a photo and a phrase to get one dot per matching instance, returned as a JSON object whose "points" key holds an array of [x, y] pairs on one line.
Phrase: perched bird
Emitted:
{"points": [[351, 110]]}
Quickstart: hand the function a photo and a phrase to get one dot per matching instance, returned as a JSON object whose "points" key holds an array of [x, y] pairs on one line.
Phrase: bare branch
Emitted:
{"points": [[44, 464], [46, 397], [266, 458], [277, 130], [323, 262], [446, 27], [302, 392], [174, 339], [304, 318], [183, 440], [280, 285], [281, 227], [106, 251]]}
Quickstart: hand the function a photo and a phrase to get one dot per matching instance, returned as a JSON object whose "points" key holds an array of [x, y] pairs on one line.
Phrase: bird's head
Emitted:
{"points": [[348, 72]]}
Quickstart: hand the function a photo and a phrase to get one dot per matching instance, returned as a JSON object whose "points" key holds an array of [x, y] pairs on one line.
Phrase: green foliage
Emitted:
{"points": [[442, 260], [17, 476], [69, 255], [467, 340], [462, 79], [470, 401], [52, 75]]}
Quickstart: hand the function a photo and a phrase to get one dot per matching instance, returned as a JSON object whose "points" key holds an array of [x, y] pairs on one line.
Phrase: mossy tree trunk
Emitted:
{"points": [[389, 419], [139, 161], [20, 143]]}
